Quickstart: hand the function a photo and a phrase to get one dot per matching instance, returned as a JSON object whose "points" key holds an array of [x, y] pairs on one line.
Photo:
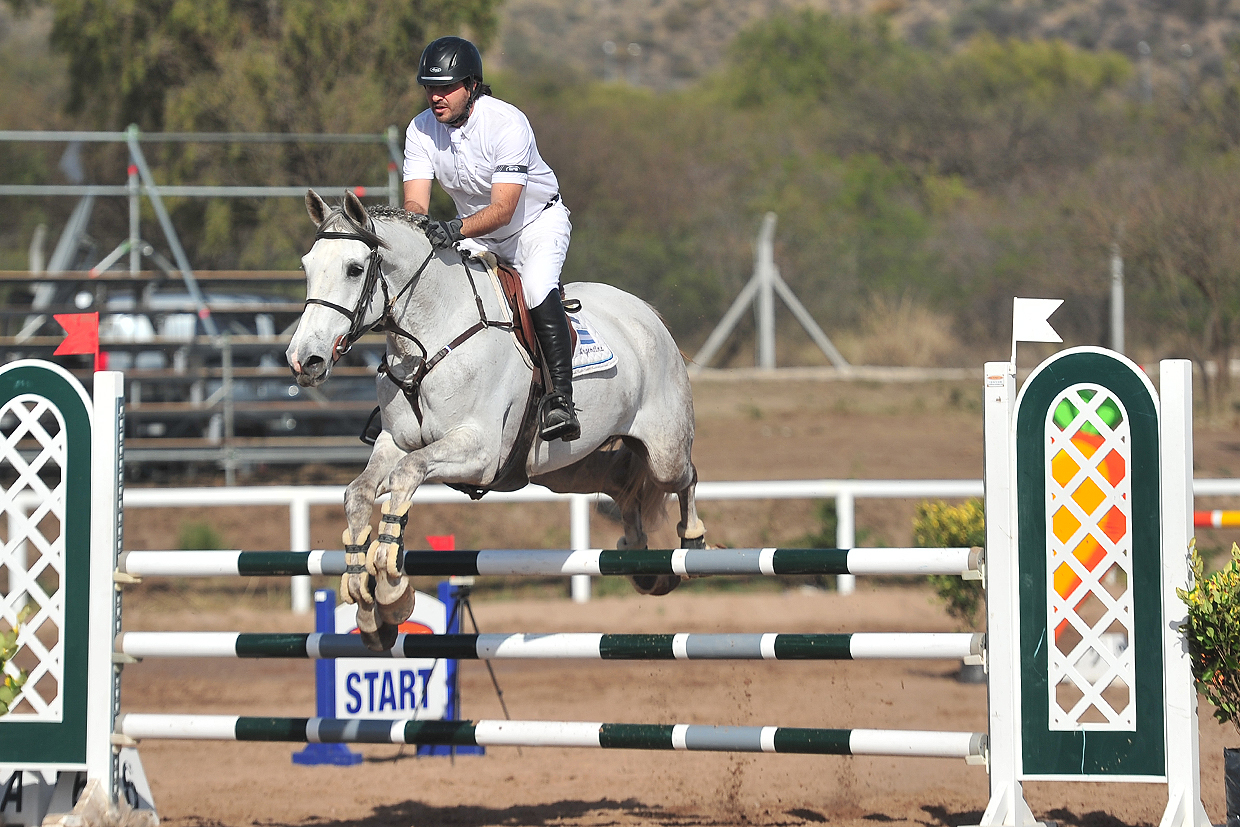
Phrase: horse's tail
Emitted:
{"points": [[637, 487]]}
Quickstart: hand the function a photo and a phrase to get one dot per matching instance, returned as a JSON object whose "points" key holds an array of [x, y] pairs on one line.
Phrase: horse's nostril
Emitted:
{"points": [[312, 364]]}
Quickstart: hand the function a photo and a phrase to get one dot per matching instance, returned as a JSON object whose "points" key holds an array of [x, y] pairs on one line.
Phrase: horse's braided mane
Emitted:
{"points": [[382, 211], [388, 211]]}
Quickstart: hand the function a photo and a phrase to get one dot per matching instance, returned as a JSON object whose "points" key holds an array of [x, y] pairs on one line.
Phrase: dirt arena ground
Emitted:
{"points": [[747, 430]]}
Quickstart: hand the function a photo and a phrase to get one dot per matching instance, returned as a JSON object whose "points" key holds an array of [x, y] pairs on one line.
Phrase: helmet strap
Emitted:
{"points": [[474, 89]]}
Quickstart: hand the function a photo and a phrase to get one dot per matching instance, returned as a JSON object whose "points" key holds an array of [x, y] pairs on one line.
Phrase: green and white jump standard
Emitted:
{"points": [[565, 645], [1088, 480], [692, 737]]}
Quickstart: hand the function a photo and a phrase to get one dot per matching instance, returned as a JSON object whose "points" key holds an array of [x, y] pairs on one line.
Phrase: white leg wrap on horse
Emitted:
{"points": [[392, 589], [694, 532], [353, 583]]}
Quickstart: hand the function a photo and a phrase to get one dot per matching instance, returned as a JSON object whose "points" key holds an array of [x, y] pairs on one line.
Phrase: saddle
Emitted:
{"points": [[514, 293]]}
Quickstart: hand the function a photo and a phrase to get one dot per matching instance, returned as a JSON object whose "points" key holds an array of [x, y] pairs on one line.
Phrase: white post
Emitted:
{"points": [[845, 535], [1007, 806], [579, 538], [1117, 299], [1184, 807], [764, 272], [299, 540]]}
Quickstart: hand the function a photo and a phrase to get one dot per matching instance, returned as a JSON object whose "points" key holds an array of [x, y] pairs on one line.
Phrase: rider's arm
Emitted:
{"points": [[418, 196], [498, 213]]}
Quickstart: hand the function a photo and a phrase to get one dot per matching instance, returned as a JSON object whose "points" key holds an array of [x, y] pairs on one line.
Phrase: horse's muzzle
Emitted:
{"points": [[312, 371]]}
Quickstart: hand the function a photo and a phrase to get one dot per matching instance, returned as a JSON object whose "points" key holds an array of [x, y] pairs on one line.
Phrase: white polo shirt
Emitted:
{"points": [[495, 146]]}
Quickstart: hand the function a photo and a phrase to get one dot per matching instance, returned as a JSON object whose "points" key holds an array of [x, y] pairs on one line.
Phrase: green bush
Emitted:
{"points": [[10, 685], [939, 525], [1213, 632], [199, 535]]}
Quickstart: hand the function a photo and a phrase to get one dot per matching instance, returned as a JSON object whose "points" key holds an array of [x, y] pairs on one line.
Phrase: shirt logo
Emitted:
{"points": [[518, 168]]}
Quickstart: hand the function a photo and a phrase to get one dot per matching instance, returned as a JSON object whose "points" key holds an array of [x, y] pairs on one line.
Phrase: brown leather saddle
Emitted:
{"points": [[523, 327]]}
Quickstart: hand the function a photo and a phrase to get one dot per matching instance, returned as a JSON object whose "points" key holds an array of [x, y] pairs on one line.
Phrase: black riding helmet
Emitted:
{"points": [[449, 60]]}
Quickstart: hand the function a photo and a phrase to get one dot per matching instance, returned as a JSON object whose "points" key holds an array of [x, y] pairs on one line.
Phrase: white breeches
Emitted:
{"points": [[537, 252]]}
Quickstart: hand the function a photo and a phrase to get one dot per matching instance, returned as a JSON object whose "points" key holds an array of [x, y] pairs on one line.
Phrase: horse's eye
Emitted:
{"points": [[354, 271]]}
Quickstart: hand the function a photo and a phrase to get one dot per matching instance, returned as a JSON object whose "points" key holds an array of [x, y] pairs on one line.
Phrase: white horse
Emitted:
{"points": [[455, 393]]}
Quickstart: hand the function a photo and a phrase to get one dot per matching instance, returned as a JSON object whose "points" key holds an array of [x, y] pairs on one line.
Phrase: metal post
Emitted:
{"points": [[1117, 299], [299, 540], [845, 536], [579, 521], [135, 233], [230, 461], [170, 233], [396, 195]]}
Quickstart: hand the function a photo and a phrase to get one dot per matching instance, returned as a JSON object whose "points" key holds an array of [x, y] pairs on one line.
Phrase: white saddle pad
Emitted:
{"points": [[592, 354]]}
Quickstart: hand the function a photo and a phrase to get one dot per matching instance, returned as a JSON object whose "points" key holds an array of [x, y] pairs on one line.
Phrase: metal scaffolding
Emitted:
{"points": [[142, 183]]}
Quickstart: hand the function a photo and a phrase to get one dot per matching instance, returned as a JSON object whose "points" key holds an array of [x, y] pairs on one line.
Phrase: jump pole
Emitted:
{"points": [[691, 737], [770, 562], [562, 646]]}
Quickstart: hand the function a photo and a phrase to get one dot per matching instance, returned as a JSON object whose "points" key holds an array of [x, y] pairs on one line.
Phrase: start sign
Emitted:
{"points": [[382, 687]]}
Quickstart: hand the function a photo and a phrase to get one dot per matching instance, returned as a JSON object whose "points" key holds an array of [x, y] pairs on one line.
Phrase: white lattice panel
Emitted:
{"points": [[32, 561], [1091, 660]]}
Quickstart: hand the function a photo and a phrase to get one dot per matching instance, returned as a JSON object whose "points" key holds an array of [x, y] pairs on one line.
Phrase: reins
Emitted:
{"points": [[411, 384]]}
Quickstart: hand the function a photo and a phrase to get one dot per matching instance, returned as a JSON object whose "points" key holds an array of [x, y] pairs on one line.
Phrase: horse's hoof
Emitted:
{"points": [[693, 542], [382, 639], [395, 601], [655, 585]]}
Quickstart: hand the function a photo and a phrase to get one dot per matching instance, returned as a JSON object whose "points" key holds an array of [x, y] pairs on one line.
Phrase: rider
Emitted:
{"points": [[482, 152]]}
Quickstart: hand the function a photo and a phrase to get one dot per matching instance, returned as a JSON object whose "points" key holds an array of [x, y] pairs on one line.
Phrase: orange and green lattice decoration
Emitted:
{"points": [[1084, 489]]}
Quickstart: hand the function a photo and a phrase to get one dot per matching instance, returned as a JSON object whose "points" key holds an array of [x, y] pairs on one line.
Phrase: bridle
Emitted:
{"points": [[411, 384], [373, 277]]}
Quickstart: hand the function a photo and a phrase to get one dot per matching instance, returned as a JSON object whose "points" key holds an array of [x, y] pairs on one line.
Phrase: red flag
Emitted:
{"points": [[441, 542], [82, 331]]}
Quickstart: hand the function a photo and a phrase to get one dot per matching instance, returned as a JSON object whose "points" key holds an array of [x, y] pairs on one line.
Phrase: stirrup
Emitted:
{"points": [[555, 405]]}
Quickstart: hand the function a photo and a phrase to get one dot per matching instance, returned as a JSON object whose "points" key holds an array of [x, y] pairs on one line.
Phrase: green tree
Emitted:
{"points": [[299, 66]]}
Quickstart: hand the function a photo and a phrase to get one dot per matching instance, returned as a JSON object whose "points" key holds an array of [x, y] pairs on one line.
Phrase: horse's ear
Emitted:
{"points": [[316, 207], [354, 210]]}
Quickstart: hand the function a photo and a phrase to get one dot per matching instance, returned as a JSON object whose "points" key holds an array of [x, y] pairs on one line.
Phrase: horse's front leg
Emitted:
{"points": [[356, 584], [461, 455]]}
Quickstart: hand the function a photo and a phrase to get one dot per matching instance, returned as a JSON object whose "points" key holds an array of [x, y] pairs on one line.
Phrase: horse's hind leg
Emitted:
{"points": [[691, 530], [357, 585]]}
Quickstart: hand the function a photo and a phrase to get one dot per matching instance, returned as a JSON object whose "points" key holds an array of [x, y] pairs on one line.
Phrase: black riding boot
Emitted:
{"points": [[558, 421]]}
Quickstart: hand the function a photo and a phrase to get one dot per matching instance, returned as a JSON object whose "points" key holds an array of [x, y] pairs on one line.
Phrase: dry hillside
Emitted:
{"points": [[680, 40]]}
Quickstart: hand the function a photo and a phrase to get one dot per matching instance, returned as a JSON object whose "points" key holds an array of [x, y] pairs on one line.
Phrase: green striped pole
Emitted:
{"points": [[689, 562], [967, 745], [577, 645]]}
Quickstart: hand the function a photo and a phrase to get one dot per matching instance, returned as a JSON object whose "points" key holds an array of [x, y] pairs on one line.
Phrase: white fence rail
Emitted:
{"points": [[299, 499]]}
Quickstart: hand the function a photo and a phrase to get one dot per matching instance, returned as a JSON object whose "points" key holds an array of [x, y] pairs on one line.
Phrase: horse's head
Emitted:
{"points": [[342, 277]]}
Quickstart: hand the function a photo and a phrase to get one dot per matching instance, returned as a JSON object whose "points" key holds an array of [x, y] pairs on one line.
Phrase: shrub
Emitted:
{"points": [[11, 684], [199, 535], [939, 525], [1213, 632]]}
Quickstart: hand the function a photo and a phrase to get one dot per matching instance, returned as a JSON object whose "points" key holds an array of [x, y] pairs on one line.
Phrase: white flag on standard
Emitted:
{"points": [[1029, 321]]}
